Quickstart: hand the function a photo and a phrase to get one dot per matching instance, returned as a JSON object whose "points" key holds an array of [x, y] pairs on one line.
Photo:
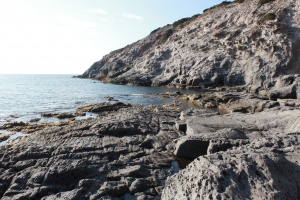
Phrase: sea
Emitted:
{"points": [[24, 97]]}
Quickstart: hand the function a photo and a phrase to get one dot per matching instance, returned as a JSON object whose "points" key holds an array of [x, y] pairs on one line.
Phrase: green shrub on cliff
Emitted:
{"points": [[218, 5], [181, 21], [194, 17], [184, 21], [103, 78], [262, 2], [165, 36], [238, 1], [269, 16], [154, 31]]}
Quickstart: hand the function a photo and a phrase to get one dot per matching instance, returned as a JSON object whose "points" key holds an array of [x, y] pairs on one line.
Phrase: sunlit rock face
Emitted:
{"points": [[234, 44], [249, 156]]}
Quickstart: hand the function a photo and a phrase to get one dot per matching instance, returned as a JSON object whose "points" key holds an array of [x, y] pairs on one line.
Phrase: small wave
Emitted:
{"points": [[12, 138]]}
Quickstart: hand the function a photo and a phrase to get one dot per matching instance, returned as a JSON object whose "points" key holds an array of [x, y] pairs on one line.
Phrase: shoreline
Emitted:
{"points": [[133, 151]]}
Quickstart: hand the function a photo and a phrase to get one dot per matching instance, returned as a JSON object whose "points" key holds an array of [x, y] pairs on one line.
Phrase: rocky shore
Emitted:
{"points": [[161, 152], [241, 142]]}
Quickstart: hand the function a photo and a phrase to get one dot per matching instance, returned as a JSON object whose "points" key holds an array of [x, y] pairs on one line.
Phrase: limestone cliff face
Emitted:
{"points": [[236, 44]]}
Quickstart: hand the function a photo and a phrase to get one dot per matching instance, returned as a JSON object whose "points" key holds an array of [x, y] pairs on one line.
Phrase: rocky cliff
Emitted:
{"points": [[252, 43]]}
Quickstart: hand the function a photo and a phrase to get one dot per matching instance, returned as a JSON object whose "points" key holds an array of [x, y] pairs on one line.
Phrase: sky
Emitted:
{"points": [[68, 36]]}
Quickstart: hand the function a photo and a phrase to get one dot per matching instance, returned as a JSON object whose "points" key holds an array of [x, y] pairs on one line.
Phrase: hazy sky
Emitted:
{"points": [[68, 36]]}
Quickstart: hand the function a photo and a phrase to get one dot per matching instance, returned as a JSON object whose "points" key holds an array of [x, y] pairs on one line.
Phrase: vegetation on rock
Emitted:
{"points": [[181, 21], [154, 31], [165, 36], [262, 2], [185, 20], [269, 16], [103, 78], [218, 5], [224, 47]]}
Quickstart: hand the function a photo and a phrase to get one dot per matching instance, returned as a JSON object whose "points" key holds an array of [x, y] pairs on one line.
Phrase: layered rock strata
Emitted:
{"points": [[121, 154], [234, 44], [132, 153], [227, 102]]}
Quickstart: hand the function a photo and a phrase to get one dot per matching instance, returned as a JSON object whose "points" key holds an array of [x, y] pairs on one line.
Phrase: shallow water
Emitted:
{"points": [[24, 97]]}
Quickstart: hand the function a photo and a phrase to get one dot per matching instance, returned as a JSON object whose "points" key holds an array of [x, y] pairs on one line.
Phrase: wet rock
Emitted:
{"points": [[235, 102], [193, 97], [13, 124], [30, 128], [4, 137], [102, 107], [210, 105], [170, 94], [35, 120], [109, 98], [63, 115]]}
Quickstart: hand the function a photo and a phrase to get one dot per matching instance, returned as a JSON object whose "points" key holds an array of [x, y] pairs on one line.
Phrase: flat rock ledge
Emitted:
{"points": [[134, 153]]}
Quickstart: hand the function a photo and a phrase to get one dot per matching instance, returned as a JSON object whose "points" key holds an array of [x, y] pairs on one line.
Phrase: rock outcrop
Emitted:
{"points": [[121, 154], [234, 44], [227, 102], [103, 107], [134, 153], [238, 156]]}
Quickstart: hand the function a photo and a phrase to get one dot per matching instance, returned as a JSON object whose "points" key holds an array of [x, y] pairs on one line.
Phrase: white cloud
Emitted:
{"points": [[132, 16], [101, 11]]}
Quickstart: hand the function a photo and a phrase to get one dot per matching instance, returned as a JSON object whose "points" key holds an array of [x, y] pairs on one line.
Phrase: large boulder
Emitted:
{"points": [[251, 175], [191, 148]]}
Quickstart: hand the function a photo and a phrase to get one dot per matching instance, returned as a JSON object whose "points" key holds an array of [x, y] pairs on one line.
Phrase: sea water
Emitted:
{"points": [[24, 97]]}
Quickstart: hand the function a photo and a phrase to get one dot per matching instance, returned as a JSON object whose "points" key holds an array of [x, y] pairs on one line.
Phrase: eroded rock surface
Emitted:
{"points": [[239, 156], [93, 158], [103, 107], [131, 153], [227, 46], [227, 102], [62, 115]]}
